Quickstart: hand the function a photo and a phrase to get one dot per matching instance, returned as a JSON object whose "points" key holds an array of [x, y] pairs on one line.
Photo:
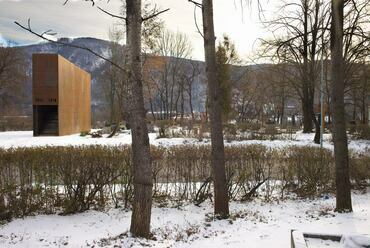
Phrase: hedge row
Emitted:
{"points": [[75, 179]]}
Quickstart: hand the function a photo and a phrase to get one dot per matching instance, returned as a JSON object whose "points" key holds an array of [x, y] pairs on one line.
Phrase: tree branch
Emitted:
{"points": [[92, 2], [154, 15], [196, 22], [112, 15], [199, 5], [42, 36]]}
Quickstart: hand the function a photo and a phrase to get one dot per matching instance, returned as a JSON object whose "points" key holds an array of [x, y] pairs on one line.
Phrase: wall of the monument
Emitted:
{"points": [[58, 82]]}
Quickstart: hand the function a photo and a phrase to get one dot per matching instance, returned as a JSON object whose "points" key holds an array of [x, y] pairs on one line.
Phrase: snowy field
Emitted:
{"points": [[252, 225], [25, 139]]}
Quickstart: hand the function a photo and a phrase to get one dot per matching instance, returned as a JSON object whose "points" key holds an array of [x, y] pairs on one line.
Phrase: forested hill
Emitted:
{"points": [[82, 58], [96, 66]]}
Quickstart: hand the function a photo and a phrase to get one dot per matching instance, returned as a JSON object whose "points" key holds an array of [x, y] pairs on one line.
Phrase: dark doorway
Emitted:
{"points": [[45, 120]]}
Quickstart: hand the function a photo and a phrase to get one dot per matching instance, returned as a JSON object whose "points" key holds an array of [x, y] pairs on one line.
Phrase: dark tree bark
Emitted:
{"points": [[363, 102], [343, 186], [189, 86], [313, 71], [307, 117], [191, 104], [221, 204], [300, 48], [142, 168]]}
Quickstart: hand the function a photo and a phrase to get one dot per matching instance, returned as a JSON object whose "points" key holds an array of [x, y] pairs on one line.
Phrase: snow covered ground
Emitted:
{"points": [[252, 225], [25, 139]]}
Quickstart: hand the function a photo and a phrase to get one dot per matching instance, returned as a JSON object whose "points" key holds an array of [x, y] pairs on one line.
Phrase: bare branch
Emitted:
{"points": [[92, 2], [42, 36], [196, 22], [154, 15], [112, 15], [49, 32], [199, 5]]}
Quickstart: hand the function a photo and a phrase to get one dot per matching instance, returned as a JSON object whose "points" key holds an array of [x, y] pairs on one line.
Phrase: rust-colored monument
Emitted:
{"points": [[61, 96]]}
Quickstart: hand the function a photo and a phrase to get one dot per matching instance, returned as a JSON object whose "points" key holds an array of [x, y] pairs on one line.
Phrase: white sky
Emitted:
{"points": [[79, 19]]}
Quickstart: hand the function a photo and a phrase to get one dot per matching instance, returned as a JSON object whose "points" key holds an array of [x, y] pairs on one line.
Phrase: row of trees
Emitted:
{"points": [[133, 100], [173, 83], [167, 74], [307, 65], [299, 50], [306, 44], [170, 76]]}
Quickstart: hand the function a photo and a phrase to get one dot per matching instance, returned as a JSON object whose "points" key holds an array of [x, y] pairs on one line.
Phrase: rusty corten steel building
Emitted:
{"points": [[61, 96]]}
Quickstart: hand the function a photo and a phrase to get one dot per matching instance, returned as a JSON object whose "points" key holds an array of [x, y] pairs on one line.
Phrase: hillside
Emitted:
{"points": [[96, 66]]}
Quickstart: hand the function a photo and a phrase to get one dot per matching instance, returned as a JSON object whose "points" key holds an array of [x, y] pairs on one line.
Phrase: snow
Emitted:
{"points": [[347, 241], [319, 243], [355, 241], [304, 139], [254, 224], [26, 139]]}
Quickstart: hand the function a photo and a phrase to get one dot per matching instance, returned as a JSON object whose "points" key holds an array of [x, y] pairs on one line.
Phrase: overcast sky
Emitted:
{"points": [[79, 19]]}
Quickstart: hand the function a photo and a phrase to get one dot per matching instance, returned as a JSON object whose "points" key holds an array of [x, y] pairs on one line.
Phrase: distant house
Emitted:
{"points": [[61, 96]]}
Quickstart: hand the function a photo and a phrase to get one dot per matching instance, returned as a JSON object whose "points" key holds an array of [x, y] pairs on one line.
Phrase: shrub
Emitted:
{"points": [[361, 131], [271, 132], [310, 169], [163, 126], [83, 134], [49, 178], [248, 126], [85, 175], [75, 179], [360, 171]]}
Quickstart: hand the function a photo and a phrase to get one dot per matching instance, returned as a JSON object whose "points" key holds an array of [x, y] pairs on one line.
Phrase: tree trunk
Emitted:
{"points": [[307, 118], [343, 187], [282, 109], [142, 168], [182, 103], [317, 129], [152, 108], [354, 111], [363, 106], [191, 103], [221, 204]]}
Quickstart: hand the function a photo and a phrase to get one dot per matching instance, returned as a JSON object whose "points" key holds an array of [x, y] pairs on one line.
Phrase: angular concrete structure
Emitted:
{"points": [[61, 96]]}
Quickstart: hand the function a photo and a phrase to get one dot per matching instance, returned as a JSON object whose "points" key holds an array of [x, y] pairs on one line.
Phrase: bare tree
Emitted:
{"points": [[221, 204], [134, 101], [302, 22], [136, 116], [142, 167], [249, 95], [12, 76], [172, 49], [226, 55], [111, 79], [189, 81], [343, 186]]}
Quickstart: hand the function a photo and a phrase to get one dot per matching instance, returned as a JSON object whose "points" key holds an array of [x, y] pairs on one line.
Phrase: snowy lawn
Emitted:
{"points": [[252, 225], [25, 139]]}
